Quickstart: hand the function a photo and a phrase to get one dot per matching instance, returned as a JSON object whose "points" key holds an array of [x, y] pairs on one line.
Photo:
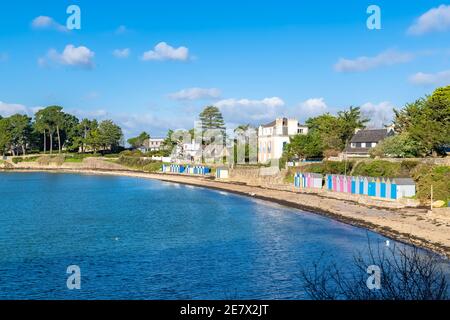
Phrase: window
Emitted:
{"points": [[358, 145]]}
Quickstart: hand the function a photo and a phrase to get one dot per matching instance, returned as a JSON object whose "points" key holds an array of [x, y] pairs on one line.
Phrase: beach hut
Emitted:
{"points": [[383, 188], [388, 188], [372, 187], [365, 186], [222, 173], [297, 180], [329, 180], [378, 187], [347, 184], [354, 184], [341, 183], [334, 182], [316, 180], [405, 187]]}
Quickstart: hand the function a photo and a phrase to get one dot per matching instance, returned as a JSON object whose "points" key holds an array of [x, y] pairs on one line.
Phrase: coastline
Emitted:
{"points": [[397, 224]]}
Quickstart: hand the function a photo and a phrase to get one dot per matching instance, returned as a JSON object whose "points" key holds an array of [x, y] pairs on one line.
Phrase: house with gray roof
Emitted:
{"points": [[366, 139]]}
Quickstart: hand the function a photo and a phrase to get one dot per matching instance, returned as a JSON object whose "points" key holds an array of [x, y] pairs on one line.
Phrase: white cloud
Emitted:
{"points": [[434, 20], [71, 56], [246, 110], [163, 51], [361, 64], [196, 94], [312, 107], [121, 30], [379, 115], [99, 114], [8, 109], [45, 22], [427, 79], [121, 53]]}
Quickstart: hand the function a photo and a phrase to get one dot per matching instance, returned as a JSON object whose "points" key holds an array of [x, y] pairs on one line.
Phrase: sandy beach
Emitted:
{"points": [[409, 225]]}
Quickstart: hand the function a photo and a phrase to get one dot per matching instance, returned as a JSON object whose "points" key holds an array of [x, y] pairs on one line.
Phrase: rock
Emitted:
{"points": [[439, 204]]}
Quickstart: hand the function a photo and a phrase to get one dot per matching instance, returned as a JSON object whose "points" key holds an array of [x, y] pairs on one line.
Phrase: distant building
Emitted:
{"points": [[366, 139], [274, 136], [191, 150], [153, 144]]}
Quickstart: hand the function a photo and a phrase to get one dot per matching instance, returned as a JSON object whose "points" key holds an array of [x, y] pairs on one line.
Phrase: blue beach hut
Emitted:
{"points": [[354, 185], [329, 182], [372, 188], [383, 188]]}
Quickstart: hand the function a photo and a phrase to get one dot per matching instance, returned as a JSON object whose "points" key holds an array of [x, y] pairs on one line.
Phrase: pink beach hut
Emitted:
{"points": [[341, 184]]}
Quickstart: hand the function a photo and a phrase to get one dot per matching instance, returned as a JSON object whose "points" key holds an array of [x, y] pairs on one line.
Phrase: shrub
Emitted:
{"points": [[134, 162], [46, 160], [438, 176], [328, 167], [379, 168], [398, 146], [152, 167], [17, 160], [131, 153]]}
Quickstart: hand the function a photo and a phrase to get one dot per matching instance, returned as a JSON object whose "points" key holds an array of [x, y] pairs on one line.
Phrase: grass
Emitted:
{"points": [[17, 160], [146, 165]]}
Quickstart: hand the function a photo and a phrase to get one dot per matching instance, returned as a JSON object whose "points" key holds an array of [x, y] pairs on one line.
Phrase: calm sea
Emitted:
{"points": [[142, 239]]}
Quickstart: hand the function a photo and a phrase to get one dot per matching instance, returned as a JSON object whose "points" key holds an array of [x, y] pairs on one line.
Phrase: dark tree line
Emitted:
{"points": [[52, 130]]}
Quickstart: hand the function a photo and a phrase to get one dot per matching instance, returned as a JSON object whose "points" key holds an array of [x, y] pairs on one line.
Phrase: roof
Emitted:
{"points": [[404, 181], [271, 124], [374, 135]]}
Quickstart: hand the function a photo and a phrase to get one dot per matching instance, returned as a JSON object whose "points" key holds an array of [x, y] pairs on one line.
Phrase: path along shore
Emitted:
{"points": [[409, 225]]}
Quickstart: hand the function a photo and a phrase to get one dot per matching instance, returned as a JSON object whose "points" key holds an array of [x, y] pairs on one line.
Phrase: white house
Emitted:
{"points": [[153, 144], [366, 139], [273, 137]]}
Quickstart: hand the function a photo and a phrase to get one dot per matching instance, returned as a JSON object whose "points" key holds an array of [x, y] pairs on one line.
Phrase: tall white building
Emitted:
{"points": [[273, 137]]}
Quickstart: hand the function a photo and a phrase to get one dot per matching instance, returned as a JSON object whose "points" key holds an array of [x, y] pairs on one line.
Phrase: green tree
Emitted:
{"points": [[110, 135], [20, 132], [70, 132], [212, 118], [169, 143], [305, 146], [398, 146], [85, 126], [5, 135], [139, 141], [41, 126], [350, 120], [427, 121]]}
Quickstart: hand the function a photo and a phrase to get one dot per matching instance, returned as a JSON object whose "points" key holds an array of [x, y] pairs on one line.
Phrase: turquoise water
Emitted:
{"points": [[142, 239]]}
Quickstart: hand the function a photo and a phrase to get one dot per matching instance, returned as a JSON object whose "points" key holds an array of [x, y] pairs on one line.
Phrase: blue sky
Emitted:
{"points": [[153, 66]]}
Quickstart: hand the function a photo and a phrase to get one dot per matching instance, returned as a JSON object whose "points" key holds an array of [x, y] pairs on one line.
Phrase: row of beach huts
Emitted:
{"points": [[193, 170], [221, 172], [385, 188]]}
